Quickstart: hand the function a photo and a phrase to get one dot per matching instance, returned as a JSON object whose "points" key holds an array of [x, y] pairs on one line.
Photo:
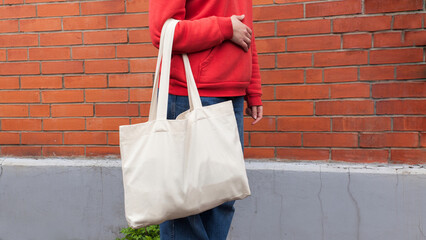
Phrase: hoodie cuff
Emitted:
{"points": [[225, 26], [253, 101]]}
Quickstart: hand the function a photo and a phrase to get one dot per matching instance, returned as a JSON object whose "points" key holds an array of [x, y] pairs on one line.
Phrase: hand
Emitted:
{"points": [[256, 112], [242, 33]]}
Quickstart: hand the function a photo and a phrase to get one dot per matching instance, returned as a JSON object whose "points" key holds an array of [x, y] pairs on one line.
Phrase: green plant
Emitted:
{"points": [[148, 233]]}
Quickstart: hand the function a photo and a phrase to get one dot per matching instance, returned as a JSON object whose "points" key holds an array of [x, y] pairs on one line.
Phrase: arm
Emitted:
{"points": [[190, 35], [254, 90]]}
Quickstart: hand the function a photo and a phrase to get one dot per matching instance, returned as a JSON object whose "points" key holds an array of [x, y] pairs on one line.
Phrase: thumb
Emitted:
{"points": [[241, 17]]}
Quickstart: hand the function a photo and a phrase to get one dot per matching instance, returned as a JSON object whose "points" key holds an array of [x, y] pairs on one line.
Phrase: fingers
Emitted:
{"points": [[248, 111], [240, 17], [257, 114]]}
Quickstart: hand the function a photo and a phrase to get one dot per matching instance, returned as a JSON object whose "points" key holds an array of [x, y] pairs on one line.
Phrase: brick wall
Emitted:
{"points": [[342, 80]]}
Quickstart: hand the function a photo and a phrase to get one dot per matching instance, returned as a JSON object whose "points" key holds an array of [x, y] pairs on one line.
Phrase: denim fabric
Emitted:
{"points": [[212, 224]]}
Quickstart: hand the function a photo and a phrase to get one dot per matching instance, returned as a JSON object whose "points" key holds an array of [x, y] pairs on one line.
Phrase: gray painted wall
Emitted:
{"points": [[63, 199]]}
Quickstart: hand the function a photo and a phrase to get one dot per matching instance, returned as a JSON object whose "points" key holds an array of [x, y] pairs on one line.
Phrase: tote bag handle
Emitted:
{"points": [[159, 99]]}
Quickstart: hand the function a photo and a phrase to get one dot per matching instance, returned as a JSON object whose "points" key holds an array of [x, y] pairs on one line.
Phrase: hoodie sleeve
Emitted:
{"points": [[254, 90], [190, 35]]}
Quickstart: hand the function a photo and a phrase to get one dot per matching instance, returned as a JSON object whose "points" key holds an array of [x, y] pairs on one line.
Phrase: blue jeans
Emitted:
{"points": [[212, 224]]}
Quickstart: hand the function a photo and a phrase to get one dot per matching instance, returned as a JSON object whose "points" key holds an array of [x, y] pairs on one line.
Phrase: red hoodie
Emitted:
{"points": [[220, 67]]}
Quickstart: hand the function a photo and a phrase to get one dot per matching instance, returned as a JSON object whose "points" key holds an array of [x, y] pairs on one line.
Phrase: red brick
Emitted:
{"points": [[41, 138], [20, 11], [275, 139], [350, 90], [313, 43], [137, 50], [357, 40], [18, 40], [264, 29], [333, 8], [322, 59], [266, 124], [113, 110], [61, 9], [2, 55], [407, 21], [113, 138], [19, 96], [142, 65], [115, 36], [62, 151], [270, 45], [360, 155], [417, 38], [49, 53], [294, 60], [302, 154], [9, 83], [127, 21], [287, 108], [138, 120], [106, 123], [21, 151], [21, 124], [103, 7], [411, 71], [106, 66], [276, 12], [389, 39], [130, 80], [355, 24], [396, 56], [9, 26], [378, 6], [144, 109], [60, 96], [303, 27], [268, 93], [39, 110], [86, 138], [85, 81], [17, 54], [303, 124], [40, 24], [9, 138], [345, 107], [102, 151], [139, 36], [330, 139], [361, 124], [61, 38], [21, 68], [340, 74], [377, 73], [140, 95], [13, 111], [93, 52], [60, 124], [43, 1], [314, 75], [404, 89], [302, 92], [409, 123], [72, 110], [266, 61], [259, 152], [282, 76], [84, 23], [415, 106], [107, 95], [41, 82], [262, 2], [62, 67], [137, 5], [13, 1], [389, 139], [408, 156]]}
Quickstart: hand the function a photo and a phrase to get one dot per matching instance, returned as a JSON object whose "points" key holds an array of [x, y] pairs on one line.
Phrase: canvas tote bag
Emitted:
{"points": [[177, 168]]}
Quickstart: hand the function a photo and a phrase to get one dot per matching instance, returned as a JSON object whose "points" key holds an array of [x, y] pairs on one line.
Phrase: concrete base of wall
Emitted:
{"points": [[61, 199]]}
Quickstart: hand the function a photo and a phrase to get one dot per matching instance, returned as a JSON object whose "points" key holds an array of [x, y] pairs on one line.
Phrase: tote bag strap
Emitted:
{"points": [[159, 99]]}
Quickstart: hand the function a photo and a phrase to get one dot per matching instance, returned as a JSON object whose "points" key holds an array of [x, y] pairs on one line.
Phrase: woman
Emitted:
{"points": [[217, 36]]}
